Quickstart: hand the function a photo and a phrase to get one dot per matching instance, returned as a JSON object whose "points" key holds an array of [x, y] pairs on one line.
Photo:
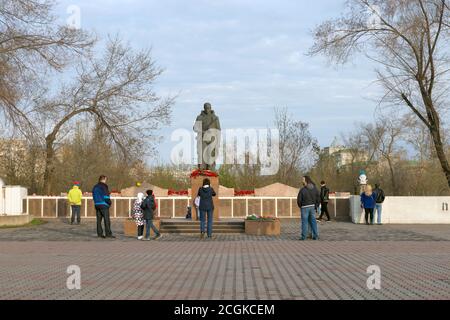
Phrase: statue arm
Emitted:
{"points": [[217, 124]]}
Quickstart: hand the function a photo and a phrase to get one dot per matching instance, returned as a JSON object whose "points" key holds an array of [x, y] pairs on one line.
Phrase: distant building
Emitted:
{"points": [[343, 155]]}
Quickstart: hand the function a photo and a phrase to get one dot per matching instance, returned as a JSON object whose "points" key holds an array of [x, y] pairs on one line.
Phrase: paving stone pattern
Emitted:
{"points": [[414, 263]]}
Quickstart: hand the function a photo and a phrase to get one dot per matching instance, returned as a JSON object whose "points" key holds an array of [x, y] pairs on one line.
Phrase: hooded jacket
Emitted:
{"points": [[206, 195], [308, 196], [74, 196], [147, 207]]}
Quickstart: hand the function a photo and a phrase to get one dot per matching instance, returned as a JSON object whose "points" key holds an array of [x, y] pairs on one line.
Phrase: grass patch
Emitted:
{"points": [[32, 223]]}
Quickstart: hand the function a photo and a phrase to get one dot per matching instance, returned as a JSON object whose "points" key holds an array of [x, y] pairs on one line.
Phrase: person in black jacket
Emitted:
{"points": [[379, 202], [324, 198], [308, 200], [148, 206], [206, 194]]}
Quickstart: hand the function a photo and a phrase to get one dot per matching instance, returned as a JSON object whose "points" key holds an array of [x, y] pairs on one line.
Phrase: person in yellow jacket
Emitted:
{"points": [[75, 196]]}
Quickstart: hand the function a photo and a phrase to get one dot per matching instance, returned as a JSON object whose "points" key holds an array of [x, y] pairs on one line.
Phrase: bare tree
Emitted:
{"points": [[417, 136], [296, 147], [115, 92], [358, 154], [410, 40], [30, 42], [384, 138]]}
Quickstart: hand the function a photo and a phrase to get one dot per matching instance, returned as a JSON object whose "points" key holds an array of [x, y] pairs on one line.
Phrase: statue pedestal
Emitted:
{"points": [[196, 184]]}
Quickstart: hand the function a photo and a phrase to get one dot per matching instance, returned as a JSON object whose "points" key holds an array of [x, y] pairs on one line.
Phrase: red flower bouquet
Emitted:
{"points": [[178, 193], [244, 193], [203, 173]]}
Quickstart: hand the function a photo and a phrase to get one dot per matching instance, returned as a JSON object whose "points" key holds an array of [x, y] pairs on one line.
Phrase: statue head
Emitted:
{"points": [[208, 108]]}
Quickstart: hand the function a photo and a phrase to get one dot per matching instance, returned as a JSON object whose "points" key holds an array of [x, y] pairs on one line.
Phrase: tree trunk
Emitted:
{"points": [[33, 183], [393, 181], [440, 152], [50, 152], [435, 130], [49, 165]]}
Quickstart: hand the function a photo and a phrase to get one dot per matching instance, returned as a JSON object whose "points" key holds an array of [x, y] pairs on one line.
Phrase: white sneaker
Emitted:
{"points": [[140, 238]]}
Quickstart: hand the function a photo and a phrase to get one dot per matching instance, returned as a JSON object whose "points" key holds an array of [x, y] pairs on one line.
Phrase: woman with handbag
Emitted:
{"points": [[206, 207]]}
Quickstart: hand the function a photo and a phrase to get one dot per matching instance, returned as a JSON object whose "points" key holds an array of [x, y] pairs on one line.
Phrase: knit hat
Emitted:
{"points": [[76, 183]]}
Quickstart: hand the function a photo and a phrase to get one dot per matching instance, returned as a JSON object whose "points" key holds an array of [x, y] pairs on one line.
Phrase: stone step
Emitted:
{"points": [[197, 227], [195, 223], [198, 223], [179, 226], [197, 231]]}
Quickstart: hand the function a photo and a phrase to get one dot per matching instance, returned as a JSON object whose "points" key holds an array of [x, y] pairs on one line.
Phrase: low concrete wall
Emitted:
{"points": [[15, 220], [175, 207], [407, 210]]}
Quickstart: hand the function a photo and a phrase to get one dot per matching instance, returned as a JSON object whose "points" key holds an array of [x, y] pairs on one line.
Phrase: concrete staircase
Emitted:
{"points": [[193, 227]]}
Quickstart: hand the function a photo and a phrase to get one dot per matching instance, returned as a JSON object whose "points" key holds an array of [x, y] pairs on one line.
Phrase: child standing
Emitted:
{"points": [[138, 215]]}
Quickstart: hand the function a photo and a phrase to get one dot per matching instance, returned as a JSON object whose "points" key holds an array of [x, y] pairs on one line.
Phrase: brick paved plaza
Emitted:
{"points": [[414, 263]]}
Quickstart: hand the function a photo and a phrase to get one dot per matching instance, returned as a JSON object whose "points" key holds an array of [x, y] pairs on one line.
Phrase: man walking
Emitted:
{"points": [[102, 203], [379, 202], [148, 206], [324, 199], [75, 196]]}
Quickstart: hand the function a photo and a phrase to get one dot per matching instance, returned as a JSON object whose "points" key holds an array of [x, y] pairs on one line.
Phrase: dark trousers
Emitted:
{"points": [[140, 231], [102, 212], [149, 224], [324, 210], [369, 211], [76, 212]]}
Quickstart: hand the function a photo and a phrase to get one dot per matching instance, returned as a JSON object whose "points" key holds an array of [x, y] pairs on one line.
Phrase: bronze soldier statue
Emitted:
{"points": [[207, 127]]}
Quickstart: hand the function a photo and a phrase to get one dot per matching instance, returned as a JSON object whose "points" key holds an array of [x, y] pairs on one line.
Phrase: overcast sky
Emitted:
{"points": [[244, 56]]}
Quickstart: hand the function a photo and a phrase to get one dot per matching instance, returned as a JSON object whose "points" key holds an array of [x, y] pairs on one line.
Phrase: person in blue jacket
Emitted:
{"points": [[206, 194], [368, 202], [102, 202]]}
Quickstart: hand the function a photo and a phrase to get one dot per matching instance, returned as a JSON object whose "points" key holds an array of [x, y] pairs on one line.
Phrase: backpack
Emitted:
{"points": [[380, 196], [155, 204], [145, 202]]}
